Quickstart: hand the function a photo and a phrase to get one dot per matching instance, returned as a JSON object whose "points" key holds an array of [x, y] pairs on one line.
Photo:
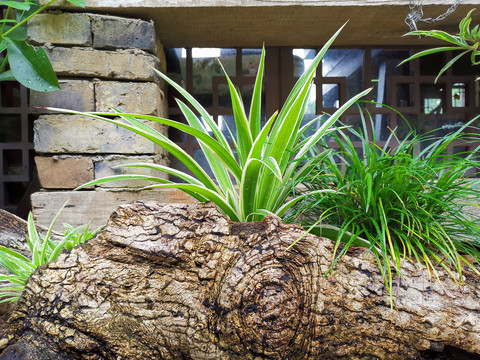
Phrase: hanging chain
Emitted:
{"points": [[416, 14]]}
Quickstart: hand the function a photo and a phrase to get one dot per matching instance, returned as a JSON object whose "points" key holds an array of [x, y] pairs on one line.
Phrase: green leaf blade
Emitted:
{"points": [[7, 76], [31, 67], [24, 6], [255, 116], [80, 3]]}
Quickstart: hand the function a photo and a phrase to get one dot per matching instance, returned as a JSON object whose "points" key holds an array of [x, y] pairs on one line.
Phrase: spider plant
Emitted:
{"points": [[44, 248], [467, 41], [403, 202], [255, 177]]}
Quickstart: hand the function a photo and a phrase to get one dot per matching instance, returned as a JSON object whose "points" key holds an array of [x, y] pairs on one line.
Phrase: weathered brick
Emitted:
{"points": [[112, 32], [94, 207], [62, 29], [75, 95], [71, 134], [61, 172], [108, 166], [139, 98], [104, 64]]}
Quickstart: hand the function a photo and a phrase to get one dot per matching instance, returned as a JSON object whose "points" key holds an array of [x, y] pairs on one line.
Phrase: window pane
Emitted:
{"points": [[12, 162], [431, 97], [382, 126], [250, 61], [384, 65], [226, 124], [10, 94], [458, 95], [405, 95], [10, 128], [346, 63], [247, 92], [464, 67], [206, 66], [311, 107], [432, 64], [224, 98], [13, 193], [330, 96], [302, 59]]}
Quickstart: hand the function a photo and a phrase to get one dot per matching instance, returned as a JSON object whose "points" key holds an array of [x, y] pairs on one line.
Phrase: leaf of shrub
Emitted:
{"points": [[7, 76], [17, 5], [31, 67], [19, 33]]}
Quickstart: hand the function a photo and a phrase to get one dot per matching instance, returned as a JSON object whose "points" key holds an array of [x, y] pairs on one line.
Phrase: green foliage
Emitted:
{"points": [[253, 180], [44, 248], [402, 203], [30, 67], [467, 41]]}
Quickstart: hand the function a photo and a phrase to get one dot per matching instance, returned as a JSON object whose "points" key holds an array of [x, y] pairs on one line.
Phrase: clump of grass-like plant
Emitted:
{"points": [[254, 178], [403, 203], [44, 248]]}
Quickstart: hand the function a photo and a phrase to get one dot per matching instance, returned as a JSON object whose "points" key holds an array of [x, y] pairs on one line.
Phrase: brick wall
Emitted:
{"points": [[101, 61]]}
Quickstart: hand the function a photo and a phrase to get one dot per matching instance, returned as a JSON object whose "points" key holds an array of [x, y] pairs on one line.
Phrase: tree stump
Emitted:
{"points": [[164, 281]]}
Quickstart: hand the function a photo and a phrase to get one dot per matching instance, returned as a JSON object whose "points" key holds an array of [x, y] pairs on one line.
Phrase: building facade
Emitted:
{"points": [[104, 56]]}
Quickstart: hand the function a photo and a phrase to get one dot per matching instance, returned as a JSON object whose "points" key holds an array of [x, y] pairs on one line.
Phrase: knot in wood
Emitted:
{"points": [[265, 302]]}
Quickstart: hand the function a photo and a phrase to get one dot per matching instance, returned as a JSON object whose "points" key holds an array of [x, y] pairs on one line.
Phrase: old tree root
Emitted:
{"points": [[182, 282]]}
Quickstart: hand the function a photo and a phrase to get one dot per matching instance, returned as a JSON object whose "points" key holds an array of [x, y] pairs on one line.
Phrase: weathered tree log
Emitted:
{"points": [[182, 282], [12, 233]]}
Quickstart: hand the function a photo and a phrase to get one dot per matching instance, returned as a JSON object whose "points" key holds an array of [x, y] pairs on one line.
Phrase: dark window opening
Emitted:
{"points": [[18, 174], [409, 88]]}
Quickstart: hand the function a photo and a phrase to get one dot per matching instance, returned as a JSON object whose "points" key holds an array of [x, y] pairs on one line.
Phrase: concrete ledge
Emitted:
{"points": [[218, 3], [301, 23], [94, 207]]}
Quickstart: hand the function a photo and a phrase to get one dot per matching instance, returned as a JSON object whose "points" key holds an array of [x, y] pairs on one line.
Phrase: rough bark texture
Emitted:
{"points": [[182, 282], [12, 233]]}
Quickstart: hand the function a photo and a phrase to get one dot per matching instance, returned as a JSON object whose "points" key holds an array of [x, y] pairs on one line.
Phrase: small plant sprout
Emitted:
{"points": [[44, 248]]}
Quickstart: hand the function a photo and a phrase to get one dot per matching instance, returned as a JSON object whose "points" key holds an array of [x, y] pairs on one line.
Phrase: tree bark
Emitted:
{"points": [[13, 231], [166, 281]]}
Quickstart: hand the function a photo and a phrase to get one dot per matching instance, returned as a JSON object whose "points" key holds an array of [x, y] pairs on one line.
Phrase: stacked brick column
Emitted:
{"points": [[101, 61]]}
